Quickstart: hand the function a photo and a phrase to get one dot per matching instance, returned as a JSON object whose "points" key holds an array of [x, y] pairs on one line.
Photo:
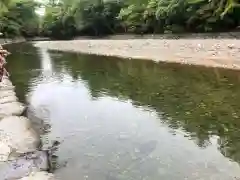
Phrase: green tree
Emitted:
{"points": [[19, 18]]}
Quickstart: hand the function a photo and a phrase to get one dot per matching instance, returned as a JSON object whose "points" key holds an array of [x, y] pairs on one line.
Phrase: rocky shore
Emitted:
{"points": [[20, 154], [213, 52]]}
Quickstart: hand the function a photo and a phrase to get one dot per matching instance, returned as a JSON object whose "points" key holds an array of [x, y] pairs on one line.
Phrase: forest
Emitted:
{"points": [[65, 19]]}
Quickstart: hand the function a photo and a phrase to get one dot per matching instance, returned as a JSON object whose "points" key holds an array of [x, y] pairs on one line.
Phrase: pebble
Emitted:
{"points": [[231, 46]]}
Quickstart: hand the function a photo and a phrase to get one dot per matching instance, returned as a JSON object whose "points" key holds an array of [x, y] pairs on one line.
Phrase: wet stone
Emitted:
{"points": [[24, 166]]}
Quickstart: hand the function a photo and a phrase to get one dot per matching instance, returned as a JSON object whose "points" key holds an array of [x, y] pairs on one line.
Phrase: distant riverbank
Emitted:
{"points": [[4, 41], [214, 52]]}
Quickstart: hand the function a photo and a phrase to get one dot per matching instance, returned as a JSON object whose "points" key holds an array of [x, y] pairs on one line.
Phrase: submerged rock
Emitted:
{"points": [[11, 109], [17, 133], [39, 176], [24, 166]]}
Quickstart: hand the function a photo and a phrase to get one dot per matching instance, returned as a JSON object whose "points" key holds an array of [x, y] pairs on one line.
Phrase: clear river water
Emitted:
{"points": [[120, 119]]}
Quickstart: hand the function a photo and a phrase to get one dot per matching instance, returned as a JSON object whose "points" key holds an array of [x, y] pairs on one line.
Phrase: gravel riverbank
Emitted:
{"points": [[208, 52]]}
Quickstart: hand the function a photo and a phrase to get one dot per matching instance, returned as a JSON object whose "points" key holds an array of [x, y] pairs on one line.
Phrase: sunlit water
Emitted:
{"points": [[131, 119]]}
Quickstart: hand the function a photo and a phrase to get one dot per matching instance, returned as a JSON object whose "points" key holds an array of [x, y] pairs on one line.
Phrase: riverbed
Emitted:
{"points": [[131, 119]]}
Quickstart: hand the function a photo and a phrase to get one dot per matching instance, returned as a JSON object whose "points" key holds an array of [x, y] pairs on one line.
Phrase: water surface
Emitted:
{"points": [[122, 119]]}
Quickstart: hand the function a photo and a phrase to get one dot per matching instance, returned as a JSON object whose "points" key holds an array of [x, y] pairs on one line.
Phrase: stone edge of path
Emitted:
{"points": [[18, 139], [221, 53]]}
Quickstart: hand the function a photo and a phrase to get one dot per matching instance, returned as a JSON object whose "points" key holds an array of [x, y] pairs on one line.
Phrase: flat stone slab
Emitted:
{"points": [[24, 166], [40, 176], [17, 133], [11, 109]]}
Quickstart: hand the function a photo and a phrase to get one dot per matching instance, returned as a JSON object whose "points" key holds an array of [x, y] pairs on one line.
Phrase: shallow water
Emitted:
{"points": [[131, 119]]}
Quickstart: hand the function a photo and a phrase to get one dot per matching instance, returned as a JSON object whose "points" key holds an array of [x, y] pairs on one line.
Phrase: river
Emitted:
{"points": [[121, 119]]}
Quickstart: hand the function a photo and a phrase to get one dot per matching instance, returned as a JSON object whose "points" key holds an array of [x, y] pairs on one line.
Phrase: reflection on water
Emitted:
{"points": [[131, 119]]}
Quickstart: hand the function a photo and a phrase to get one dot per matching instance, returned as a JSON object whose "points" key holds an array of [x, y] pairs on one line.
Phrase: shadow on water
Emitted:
{"points": [[125, 119]]}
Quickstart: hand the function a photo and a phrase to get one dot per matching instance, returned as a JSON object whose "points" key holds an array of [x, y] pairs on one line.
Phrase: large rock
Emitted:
{"points": [[5, 151], [6, 81], [11, 109], [17, 133], [24, 166], [8, 99], [7, 93], [39, 176], [6, 86]]}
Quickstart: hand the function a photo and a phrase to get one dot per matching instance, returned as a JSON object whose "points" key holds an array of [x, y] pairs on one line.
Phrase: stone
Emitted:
{"points": [[4, 86], [6, 81], [17, 133], [5, 151], [7, 93], [231, 46], [39, 176], [24, 165], [10, 109], [8, 99]]}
